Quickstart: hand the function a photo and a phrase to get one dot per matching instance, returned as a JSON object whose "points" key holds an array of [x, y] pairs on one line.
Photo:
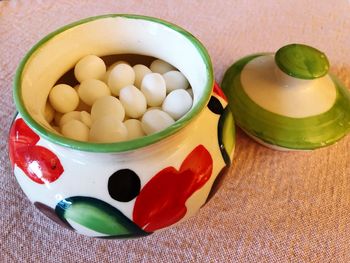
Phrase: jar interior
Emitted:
{"points": [[102, 37], [56, 54]]}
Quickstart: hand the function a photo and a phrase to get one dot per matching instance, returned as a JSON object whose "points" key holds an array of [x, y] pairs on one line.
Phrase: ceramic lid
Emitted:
{"points": [[288, 100]]}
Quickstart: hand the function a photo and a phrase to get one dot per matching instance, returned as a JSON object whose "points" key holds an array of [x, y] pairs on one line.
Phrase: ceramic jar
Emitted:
{"points": [[126, 189]]}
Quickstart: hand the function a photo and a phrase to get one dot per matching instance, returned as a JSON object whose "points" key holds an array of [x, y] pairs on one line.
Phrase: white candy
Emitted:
{"points": [[155, 121], [133, 100], [73, 115], [108, 129], [89, 67], [121, 75], [107, 106], [160, 66], [140, 72], [63, 98], [134, 129], [49, 112], [175, 80], [91, 90], [107, 112], [108, 72], [153, 87], [177, 103], [85, 118], [75, 130]]}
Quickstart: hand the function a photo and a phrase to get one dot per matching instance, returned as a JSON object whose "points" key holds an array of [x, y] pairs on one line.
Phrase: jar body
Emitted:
{"points": [[125, 194]]}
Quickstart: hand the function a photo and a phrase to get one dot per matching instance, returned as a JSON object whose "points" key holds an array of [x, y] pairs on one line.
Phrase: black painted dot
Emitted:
{"points": [[215, 106], [124, 185]]}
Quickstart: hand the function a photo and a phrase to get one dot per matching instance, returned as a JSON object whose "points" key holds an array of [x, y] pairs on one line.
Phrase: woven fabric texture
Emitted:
{"points": [[273, 206]]}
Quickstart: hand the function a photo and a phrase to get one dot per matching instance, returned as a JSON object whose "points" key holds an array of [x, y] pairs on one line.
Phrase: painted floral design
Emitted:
{"points": [[37, 162], [161, 201], [98, 216]]}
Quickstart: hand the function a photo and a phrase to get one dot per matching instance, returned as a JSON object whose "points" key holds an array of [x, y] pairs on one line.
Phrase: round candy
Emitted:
{"points": [[89, 67], [140, 72], [175, 80], [49, 113], [73, 115], [75, 130], [177, 103], [108, 72], [85, 118], [106, 106], [133, 100], [63, 98], [160, 66], [92, 89], [153, 87], [134, 129], [121, 75], [155, 121], [108, 129]]}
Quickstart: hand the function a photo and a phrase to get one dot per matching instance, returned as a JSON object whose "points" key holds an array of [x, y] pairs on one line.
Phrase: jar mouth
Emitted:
{"points": [[171, 43]]}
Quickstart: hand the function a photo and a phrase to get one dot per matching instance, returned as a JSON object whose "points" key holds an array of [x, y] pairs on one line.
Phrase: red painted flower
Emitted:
{"points": [[37, 162], [161, 201]]}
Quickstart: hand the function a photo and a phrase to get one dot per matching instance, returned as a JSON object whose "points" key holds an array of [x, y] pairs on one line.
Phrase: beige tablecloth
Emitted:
{"points": [[273, 206]]}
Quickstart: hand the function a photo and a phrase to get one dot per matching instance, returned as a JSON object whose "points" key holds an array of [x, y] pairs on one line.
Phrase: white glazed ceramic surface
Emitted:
{"points": [[279, 93], [86, 174]]}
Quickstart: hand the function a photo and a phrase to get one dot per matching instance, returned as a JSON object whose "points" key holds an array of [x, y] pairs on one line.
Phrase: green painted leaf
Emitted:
{"points": [[294, 133], [98, 216]]}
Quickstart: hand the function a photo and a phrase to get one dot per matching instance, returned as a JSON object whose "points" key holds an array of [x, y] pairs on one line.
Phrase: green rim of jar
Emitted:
{"points": [[125, 145]]}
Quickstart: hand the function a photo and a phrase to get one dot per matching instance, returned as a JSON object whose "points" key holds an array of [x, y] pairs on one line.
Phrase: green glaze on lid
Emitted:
{"points": [[302, 61], [293, 133]]}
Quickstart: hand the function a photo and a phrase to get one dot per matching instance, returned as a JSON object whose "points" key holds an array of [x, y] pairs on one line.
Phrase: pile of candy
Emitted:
{"points": [[118, 103]]}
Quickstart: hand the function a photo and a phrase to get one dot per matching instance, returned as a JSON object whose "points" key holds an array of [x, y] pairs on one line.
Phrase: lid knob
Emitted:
{"points": [[302, 61]]}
